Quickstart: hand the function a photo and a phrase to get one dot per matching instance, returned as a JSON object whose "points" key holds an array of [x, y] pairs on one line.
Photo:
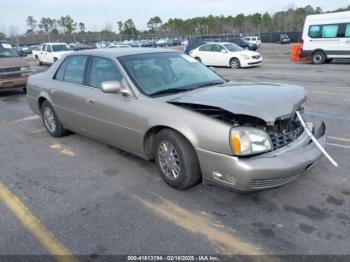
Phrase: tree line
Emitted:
{"points": [[289, 20]]}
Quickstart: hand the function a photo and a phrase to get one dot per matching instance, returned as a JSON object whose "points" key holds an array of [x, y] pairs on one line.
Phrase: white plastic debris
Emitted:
{"points": [[315, 140]]}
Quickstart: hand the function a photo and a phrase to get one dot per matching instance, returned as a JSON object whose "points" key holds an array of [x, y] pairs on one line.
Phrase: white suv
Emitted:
{"points": [[253, 39]]}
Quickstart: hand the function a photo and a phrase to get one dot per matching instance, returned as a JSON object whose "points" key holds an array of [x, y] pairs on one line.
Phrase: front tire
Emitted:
{"points": [[318, 58], [176, 160], [51, 122], [235, 63]]}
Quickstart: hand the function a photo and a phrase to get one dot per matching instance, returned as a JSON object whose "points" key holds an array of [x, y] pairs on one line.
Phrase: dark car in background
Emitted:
{"points": [[245, 44], [284, 39], [14, 70]]}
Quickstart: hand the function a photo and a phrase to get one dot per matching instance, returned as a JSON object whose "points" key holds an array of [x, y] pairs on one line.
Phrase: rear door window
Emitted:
{"points": [[102, 69], [205, 48], [72, 69], [217, 48], [330, 31]]}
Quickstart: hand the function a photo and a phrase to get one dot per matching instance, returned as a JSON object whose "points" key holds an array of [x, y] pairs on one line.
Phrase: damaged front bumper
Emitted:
{"points": [[265, 171]]}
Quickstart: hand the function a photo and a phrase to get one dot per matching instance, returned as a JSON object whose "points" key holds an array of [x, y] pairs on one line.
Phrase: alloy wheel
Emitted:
{"points": [[169, 160], [49, 119]]}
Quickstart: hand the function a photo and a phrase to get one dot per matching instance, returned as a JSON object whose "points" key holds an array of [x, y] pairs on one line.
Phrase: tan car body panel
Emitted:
{"points": [[127, 121]]}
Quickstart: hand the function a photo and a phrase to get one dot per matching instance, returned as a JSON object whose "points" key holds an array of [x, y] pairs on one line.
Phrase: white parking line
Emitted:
{"points": [[24, 119], [339, 138], [328, 93], [338, 145]]}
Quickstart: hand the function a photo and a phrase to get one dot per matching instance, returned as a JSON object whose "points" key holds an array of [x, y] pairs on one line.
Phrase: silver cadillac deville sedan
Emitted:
{"points": [[165, 106]]}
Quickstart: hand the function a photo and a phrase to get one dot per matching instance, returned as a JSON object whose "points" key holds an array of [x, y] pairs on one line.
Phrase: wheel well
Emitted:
{"points": [[149, 140], [41, 101], [318, 50]]}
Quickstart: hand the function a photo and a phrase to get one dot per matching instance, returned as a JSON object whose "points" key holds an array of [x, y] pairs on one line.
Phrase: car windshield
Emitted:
{"points": [[6, 50], [233, 47], [167, 73], [284, 36], [57, 48]]}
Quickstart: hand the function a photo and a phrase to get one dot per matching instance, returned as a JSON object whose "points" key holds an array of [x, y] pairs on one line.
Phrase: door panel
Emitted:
{"points": [[219, 58], [67, 91], [68, 101], [112, 118]]}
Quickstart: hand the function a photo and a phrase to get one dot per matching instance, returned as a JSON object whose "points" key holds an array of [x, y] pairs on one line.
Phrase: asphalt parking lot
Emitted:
{"points": [[95, 200]]}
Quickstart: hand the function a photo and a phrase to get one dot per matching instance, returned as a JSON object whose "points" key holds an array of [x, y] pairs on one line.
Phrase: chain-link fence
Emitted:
{"points": [[34, 39]]}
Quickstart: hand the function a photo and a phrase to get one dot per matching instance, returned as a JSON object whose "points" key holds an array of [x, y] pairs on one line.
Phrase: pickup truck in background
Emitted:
{"points": [[49, 53]]}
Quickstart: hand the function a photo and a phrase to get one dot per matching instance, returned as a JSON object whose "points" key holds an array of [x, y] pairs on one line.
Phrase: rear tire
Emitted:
{"points": [[51, 122], [318, 58], [235, 63], [176, 160]]}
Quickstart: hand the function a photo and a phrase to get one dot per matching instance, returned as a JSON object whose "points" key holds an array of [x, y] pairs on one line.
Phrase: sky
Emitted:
{"points": [[97, 13]]}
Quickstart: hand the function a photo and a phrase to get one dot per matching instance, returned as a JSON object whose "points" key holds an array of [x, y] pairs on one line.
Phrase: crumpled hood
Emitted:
{"points": [[264, 100]]}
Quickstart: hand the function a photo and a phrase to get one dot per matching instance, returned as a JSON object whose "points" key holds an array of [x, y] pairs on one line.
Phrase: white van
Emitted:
{"points": [[253, 39], [326, 37]]}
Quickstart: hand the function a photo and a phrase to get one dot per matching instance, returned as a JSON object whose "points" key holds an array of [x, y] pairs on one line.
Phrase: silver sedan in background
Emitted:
{"points": [[165, 106]]}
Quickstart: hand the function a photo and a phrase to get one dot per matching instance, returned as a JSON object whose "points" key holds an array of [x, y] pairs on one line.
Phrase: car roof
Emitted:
{"points": [[54, 43], [118, 52], [219, 43]]}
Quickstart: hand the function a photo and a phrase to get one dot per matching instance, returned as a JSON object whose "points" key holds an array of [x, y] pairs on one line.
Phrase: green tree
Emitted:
{"points": [[154, 23], [129, 27], [267, 22], [31, 23], [67, 23], [82, 27], [2, 36], [120, 26], [239, 21], [46, 24], [256, 20]]}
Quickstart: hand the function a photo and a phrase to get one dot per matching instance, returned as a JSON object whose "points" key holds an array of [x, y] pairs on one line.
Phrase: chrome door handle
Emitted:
{"points": [[52, 91], [89, 101]]}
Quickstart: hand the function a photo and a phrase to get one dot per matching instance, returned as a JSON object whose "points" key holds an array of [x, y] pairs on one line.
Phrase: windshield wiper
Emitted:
{"points": [[171, 91], [209, 84]]}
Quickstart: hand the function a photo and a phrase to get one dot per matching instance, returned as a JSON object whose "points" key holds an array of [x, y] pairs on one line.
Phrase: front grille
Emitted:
{"points": [[10, 76], [9, 70], [286, 130], [271, 182]]}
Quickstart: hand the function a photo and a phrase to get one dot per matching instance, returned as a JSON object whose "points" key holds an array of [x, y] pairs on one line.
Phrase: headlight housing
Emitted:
{"points": [[245, 57], [246, 141], [25, 69]]}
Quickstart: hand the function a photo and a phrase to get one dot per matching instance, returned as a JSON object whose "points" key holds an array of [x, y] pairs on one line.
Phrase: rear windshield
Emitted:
{"points": [[6, 50]]}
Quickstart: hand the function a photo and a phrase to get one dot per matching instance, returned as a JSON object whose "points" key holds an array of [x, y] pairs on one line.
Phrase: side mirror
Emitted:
{"points": [[111, 86], [223, 51]]}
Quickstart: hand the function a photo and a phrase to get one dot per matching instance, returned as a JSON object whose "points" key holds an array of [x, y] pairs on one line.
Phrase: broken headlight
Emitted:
{"points": [[249, 141]]}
